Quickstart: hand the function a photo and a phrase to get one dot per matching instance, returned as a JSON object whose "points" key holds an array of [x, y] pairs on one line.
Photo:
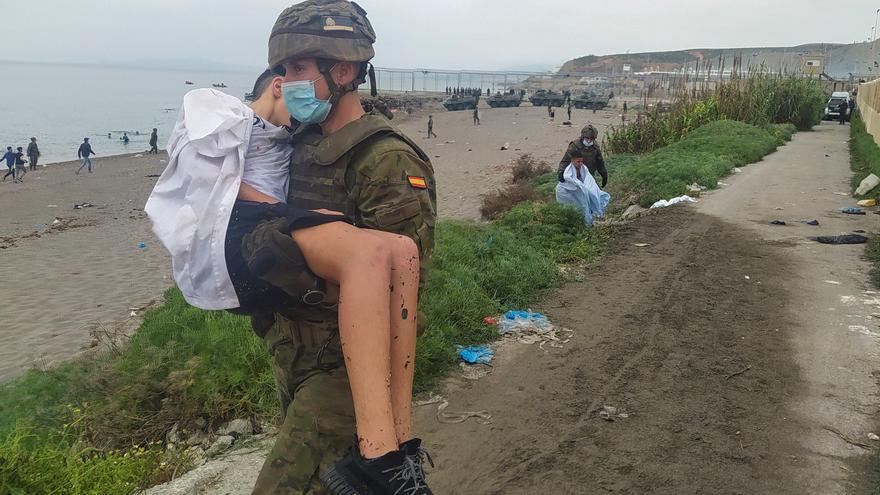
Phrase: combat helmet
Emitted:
{"points": [[589, 132], [328, 30]]}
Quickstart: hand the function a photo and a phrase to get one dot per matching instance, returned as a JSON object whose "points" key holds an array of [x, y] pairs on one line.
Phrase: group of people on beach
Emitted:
{"points": [[301, 204], [16, 163]]}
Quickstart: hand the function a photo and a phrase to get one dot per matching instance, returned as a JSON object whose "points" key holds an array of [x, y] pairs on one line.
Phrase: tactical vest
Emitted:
{"points": [[324, 172]]}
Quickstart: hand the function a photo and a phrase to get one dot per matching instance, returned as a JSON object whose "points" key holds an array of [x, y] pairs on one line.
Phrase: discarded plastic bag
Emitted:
{"points": [[867, 203], [663, 203], [867, 184], [533, 328], [476, 354]]}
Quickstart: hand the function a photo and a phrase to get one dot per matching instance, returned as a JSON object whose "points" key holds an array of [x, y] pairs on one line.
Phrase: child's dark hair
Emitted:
{"points": [[576, 154], [262, 83]]}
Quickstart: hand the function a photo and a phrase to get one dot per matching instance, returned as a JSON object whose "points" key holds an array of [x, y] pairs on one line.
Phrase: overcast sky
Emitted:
{"points": [[446, 34]]}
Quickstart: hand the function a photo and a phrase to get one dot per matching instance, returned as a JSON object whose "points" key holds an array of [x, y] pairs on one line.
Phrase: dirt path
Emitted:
{"points": [[731, 345]]}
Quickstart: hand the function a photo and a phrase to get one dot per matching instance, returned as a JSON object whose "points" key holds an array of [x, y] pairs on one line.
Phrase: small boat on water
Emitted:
{"points": [[219, 85], [189, 83]]}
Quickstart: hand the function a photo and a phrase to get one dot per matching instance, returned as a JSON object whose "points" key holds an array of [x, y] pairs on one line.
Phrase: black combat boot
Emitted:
{"points": [[414, 451], [395, 473]]}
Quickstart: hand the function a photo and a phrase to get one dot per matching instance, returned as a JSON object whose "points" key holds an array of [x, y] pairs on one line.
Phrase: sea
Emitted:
{"points": [[60, 104]]}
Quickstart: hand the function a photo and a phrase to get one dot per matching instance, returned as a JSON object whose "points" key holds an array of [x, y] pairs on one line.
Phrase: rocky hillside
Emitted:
{"points": [[841, 59]]}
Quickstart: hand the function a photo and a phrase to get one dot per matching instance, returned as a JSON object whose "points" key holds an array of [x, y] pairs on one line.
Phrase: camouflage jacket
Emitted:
{"points": [[592, 159]]}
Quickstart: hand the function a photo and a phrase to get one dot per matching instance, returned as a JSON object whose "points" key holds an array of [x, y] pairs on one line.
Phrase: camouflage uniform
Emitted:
{"points": [[380, 179], [592, 155], [364, 170]]}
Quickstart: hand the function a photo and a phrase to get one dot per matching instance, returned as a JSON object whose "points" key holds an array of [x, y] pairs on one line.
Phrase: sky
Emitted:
{"points": [[437, 34]]}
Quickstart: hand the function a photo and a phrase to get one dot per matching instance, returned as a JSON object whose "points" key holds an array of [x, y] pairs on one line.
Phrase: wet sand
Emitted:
{"points": [[62, 280]]}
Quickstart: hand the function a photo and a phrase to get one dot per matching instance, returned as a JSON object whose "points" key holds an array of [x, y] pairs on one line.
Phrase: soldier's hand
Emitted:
{"points": [[272, 255], [604, 182], [561, 175]]}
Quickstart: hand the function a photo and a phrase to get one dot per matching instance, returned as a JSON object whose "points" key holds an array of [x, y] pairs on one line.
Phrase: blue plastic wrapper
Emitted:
{"points": [[476, 354], [516, 320]]}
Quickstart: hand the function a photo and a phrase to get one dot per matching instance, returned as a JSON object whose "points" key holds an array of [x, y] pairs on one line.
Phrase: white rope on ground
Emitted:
{"points": [[482, 417]]}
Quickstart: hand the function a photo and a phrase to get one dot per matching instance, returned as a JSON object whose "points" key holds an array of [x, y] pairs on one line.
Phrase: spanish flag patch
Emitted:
{"points": [[417, 182]]}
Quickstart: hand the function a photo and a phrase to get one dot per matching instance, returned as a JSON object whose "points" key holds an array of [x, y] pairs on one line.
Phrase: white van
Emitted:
{"points": [[831, 112]]}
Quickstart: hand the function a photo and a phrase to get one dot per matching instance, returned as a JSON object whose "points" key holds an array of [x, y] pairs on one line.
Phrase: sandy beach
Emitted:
{"points": [[68, 271]]}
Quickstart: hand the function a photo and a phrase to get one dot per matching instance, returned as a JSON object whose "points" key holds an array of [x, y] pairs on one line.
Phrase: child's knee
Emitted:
{"points": [[372, 252], [405, 249]]}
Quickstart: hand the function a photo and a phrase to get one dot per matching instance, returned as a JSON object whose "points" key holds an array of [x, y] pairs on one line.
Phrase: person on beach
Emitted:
{"points": [[84, 153], [125, 139], [154, 141], [476, 115], [33, 153], [431, 127], [9, 156], [20, 166], [236, 245], [359, 164]]}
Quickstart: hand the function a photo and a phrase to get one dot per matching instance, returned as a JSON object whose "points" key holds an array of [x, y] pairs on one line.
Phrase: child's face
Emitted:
{"points": [[577, 162]]}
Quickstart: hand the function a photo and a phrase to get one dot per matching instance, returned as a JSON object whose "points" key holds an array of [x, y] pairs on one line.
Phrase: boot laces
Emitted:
{"points": [[418, 460], [408, 476]]}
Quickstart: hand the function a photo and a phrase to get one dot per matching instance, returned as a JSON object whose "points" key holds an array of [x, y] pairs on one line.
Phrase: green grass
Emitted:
{"points": [[705, 156], [864, 154], [91, 425]]}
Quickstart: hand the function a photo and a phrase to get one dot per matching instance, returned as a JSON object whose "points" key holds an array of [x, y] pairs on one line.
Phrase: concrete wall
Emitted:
{"points": [[868, 101]]}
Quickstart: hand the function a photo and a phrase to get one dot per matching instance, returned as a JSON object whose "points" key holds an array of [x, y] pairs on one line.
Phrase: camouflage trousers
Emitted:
{"points": [[319, 421]]}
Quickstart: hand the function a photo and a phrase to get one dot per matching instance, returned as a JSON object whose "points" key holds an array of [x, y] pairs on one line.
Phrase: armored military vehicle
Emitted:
{"points": [[458, 102], [542, 98], [504, 100], [590, 101]]}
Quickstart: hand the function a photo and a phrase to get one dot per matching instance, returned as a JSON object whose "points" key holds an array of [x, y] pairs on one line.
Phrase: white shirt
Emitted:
{"points": [[267, 161], [193, 198]]}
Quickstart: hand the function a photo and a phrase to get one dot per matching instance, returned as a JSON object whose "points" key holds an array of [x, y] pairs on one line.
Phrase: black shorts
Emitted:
{"points": [[254, 294]]}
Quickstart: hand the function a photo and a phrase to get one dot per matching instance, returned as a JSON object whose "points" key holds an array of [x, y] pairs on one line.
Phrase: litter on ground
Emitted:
{"points": [[533, 328], [867, 203], [867, 184], [663, 203], [476, 354], [482, 417], [853, 211], [842, 239], [777, 222]]}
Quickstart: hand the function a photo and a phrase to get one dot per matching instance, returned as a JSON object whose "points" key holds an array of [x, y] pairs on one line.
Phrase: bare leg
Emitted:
{"points": [[404, 308], [361, 265]]}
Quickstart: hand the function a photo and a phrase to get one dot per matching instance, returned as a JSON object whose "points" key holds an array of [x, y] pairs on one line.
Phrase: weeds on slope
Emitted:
{"points": [[705, 156], [753, 97]]}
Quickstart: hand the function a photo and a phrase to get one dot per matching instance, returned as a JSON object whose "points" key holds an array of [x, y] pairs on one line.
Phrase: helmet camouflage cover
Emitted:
{"points": [[589, 132], [325, 29]]}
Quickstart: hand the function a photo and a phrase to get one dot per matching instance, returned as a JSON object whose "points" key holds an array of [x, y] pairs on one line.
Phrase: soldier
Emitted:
{"points": [[358, 164], [476, 115], [431, 127], [589, 149]]}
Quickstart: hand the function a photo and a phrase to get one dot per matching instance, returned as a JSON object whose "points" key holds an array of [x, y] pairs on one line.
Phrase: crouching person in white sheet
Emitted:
{"points": [[580, 189]]}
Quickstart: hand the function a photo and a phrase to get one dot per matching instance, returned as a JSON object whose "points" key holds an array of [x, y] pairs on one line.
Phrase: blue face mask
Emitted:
{"points": [[303, 105], [588, 142]]}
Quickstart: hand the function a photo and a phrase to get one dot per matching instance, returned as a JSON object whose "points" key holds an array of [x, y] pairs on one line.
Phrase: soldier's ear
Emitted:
{"points": [[344, 73]]}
